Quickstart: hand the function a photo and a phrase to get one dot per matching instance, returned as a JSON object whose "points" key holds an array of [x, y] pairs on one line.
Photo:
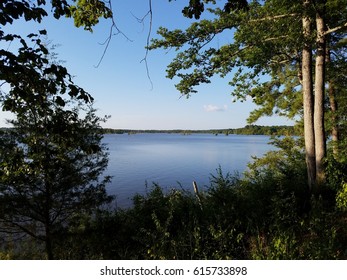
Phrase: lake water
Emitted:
{"points": [[167, 159]]}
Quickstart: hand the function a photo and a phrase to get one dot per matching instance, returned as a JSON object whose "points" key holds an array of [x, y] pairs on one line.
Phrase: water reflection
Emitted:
{"points": [[170, 158]]}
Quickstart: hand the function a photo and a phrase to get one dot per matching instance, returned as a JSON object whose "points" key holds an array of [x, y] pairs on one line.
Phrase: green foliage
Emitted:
{"points": [[5, 256], [52, 159], [87, 13], [50, 166], [27, 71], [197, 7], [341, 198], [12, 10], [336, 172], [263, 60], [237, 219], [284, 163], [276, 247], [38, 76], [264, 217], [266, 43]]}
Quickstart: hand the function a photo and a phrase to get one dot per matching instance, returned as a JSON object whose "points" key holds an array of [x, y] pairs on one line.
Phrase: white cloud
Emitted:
{"points": [[214, 108]]}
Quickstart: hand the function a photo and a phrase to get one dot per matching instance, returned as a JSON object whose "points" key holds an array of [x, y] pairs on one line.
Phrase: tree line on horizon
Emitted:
{"points": [[274, 130]]}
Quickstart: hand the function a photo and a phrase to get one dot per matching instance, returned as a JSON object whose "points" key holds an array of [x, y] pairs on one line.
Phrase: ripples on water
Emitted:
{"points": [[170, 158]]}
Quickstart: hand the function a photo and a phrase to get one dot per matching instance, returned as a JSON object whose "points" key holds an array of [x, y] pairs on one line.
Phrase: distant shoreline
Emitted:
{"points": [[277, 130]]}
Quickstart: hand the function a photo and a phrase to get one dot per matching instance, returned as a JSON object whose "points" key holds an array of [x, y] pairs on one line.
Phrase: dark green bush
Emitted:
{"points": [[266, 214]]}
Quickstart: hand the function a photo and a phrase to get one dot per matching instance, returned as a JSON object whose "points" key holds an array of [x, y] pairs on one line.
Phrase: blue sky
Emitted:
{"points": [[120, 84]]}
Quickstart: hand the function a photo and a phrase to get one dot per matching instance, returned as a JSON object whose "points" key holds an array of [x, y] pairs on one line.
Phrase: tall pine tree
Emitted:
{"points": [[52, 161]]}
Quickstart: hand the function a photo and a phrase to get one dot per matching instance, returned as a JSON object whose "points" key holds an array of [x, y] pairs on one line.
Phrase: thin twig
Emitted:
{"points": [[150, 14], [111, 34]]}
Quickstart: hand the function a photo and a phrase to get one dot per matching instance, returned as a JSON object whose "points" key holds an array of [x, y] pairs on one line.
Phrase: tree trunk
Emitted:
{"points": [[48, 244], [320, 144], [307, 91]]}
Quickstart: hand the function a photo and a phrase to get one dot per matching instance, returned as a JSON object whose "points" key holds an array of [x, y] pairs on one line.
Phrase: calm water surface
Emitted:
{"points": [[167, 159]]}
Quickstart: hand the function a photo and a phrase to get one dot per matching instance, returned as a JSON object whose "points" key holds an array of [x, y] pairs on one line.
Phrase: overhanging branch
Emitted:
{"points": [[337, 28], [274, 17]]}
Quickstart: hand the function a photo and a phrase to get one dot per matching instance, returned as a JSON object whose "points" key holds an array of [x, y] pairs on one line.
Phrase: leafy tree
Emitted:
{"points": [[25, 70], [51, 161], [52, 158], [277, 57]]}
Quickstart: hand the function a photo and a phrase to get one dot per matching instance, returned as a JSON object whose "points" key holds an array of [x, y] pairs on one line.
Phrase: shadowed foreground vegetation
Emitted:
{"points": [[267, 214]]}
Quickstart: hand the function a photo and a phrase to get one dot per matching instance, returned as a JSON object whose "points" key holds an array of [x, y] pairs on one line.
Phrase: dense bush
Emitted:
{"points": [[266, 214], [236, 218]]}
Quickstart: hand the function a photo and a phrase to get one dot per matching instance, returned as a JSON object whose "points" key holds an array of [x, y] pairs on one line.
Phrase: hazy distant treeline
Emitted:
{"points": [[247, 130]]}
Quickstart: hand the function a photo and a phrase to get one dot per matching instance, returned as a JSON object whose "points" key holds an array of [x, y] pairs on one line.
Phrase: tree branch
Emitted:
{"points": [[150, 14], [331, 30], [111, 34], [274, 17], [265, 40]]}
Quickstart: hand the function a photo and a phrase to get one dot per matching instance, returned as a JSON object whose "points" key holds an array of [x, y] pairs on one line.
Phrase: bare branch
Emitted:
{"points": [[111, 34], [274, 17], [331, 30], [21, 228], [150, 15], [276, 62], [275, 38]]}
